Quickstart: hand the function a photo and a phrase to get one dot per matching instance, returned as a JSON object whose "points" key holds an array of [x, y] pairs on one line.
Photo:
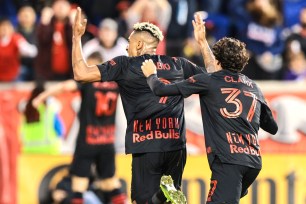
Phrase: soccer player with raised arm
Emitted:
{"points": [[233, 108], [95, 139], [155, 134]]}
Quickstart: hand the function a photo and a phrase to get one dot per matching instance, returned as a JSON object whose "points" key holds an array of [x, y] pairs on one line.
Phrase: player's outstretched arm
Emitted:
{"points": [[82, 72], [194, 85], [69, 85], [200, 36], [159, 88]]}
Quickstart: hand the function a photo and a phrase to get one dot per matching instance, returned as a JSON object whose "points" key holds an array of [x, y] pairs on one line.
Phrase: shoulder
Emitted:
{"points": [[255, 85], [122, 59], [203, 76], [225, 76], [186, 61], [250, 81], [181, 59]]}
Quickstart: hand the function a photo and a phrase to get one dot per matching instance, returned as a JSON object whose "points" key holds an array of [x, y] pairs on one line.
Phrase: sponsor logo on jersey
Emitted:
{"points": [[98, 135], [159, 128], [243, 144]]}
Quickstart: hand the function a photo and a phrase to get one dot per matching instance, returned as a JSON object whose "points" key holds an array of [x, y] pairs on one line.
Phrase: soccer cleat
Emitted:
{"points": [[171, 193]]}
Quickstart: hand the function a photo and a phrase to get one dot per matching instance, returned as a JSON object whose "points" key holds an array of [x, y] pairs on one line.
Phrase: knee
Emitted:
{"points": [[79, 184]]}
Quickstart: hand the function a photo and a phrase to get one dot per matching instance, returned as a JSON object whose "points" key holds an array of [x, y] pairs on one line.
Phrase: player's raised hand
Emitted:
{"points": [[199, 28], [148, 68], [79, 25]]}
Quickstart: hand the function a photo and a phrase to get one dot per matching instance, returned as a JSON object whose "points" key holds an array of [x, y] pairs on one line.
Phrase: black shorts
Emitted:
{"points": [[229, 182], [103, 156], [148, 168]]}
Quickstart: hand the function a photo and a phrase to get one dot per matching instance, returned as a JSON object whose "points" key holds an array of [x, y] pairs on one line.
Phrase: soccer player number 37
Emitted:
{"points": [[232, 99]]}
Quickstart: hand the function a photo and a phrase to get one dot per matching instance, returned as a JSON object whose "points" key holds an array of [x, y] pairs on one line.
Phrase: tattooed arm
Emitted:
{"points": [[200, 36], [81, 70]]}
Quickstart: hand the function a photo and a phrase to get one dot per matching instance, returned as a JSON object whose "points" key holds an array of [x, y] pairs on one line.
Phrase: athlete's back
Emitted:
{"points": [[97, 113], [155, 124], [232, 104], [233, 109]]}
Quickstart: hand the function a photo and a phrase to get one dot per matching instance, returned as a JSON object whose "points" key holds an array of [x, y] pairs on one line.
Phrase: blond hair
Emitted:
{"points": [[149, 27]]}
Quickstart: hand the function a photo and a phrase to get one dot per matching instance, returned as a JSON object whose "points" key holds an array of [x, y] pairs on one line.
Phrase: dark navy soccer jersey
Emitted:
{"points": [[154, 124], [233, 108], [97, 113]]}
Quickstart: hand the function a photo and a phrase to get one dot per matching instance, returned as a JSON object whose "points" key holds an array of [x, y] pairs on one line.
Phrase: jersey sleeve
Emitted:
{"points": [[190, 68], [267, 122], [113, 70], [197, 84], [161, 89]]}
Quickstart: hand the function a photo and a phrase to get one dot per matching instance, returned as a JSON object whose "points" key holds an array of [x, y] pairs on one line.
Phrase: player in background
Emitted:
{"points": [[42, 127], [95, 141], [233, 108], [155, 134]]}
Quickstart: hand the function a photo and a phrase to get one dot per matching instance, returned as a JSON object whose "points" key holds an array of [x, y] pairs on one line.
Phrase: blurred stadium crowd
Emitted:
{"points": [[35, 35]]}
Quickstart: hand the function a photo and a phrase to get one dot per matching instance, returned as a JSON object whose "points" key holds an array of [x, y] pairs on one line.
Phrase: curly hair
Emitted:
{"points": [[231, 53]]}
